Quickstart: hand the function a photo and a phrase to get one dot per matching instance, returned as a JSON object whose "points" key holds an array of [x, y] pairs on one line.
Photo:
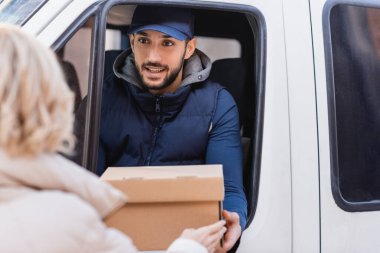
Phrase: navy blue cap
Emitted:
{"points": [[175, 22]]}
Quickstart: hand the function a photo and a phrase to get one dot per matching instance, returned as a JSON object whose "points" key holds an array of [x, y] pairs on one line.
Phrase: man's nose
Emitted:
{"points": [[154, 54]]}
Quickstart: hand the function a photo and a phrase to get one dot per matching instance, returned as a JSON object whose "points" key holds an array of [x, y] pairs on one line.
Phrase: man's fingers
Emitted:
{"points": [[233, 230], [213, 240], [230, 239], [226, 214], [228, 242], [231, 217]]}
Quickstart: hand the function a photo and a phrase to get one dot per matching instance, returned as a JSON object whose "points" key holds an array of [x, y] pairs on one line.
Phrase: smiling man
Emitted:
{"points": [[160, 108]]}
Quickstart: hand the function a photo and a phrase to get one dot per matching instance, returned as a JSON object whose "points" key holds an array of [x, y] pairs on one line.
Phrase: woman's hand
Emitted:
{"points": [[208, 236]]}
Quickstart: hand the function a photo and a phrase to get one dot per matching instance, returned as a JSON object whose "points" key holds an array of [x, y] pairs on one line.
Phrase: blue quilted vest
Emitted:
{"points": [[141, 129]]}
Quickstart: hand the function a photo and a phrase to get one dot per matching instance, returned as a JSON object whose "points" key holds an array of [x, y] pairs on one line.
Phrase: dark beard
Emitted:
{"points": [[167, 81]]}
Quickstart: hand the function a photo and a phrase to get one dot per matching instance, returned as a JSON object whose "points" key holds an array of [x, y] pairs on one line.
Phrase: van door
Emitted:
{"points": [[287, 216], [349, 122]]}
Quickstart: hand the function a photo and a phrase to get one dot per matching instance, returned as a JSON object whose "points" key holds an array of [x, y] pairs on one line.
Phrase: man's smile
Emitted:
{"points": [[154, 72], [154, 69]]}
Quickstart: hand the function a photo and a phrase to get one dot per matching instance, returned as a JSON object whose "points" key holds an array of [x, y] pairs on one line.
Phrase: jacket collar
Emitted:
{"points": [[167, 105], [196, 70]]}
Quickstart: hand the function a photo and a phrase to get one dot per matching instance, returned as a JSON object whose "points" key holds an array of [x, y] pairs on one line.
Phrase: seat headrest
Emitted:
{"points": [[109, 59]]}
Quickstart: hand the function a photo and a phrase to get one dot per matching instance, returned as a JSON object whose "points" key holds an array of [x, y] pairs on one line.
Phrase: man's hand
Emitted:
{"points": [[233, 231]]}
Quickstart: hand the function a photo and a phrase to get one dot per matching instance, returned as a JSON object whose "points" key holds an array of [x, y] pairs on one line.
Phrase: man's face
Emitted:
{"points": [[159, 60]]}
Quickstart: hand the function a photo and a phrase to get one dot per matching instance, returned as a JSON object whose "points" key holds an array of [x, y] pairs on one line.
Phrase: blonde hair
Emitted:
{"points": [[36, 105]]}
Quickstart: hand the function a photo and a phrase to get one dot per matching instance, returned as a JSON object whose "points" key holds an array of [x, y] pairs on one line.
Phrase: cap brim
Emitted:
{"points": [[161, 28]]}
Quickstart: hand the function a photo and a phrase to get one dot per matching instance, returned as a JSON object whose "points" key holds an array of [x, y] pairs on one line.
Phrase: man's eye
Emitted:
{"points": [[143, 40], [167, 43]]}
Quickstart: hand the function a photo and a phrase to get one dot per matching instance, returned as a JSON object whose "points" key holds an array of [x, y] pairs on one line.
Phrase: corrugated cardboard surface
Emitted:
{"points": [[164, 200], [154, 226]]}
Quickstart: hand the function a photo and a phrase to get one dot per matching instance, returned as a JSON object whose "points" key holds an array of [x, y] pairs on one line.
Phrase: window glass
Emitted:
{"points": [[355, 37], [113, 39], [77, 51], [75, 60], [18, 11]]}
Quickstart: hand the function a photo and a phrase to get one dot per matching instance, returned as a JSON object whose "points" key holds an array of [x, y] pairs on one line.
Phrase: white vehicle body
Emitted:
{"points": [[296, 211]]}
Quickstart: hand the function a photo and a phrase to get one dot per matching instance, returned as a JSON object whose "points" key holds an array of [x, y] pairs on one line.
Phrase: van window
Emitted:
{"points": [[354, 103], [18, 11], [238, 64]]}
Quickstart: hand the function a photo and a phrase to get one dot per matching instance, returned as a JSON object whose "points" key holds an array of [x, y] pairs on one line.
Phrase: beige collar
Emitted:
{"points": [[54, 172]]}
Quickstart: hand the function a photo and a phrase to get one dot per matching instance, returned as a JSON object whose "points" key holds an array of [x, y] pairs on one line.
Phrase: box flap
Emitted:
{"points": [[168, 183]]}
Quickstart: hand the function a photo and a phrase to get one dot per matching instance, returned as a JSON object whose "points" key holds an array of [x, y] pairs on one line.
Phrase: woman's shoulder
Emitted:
{"points": [[47, 221], [56, 221]]}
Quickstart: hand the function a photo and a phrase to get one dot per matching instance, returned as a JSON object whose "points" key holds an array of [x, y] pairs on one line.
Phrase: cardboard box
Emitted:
{"points": [[164, 200]]}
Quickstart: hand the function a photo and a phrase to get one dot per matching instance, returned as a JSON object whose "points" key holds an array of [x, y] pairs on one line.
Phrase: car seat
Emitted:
{"points": [[231, 73]]}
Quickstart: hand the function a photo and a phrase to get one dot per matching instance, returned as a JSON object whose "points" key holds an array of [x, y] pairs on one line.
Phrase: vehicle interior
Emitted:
{"points": [[228, 37]]}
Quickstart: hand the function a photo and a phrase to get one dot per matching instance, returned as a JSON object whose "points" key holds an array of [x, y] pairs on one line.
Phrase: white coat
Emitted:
{"points": [[49, 204]]}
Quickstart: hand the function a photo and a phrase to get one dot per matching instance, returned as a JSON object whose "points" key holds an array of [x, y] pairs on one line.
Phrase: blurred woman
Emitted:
{"points": [[48, 203]]}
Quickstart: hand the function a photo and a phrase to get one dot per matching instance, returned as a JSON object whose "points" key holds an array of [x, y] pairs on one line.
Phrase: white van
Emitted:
{"points": [[306, 78]]}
